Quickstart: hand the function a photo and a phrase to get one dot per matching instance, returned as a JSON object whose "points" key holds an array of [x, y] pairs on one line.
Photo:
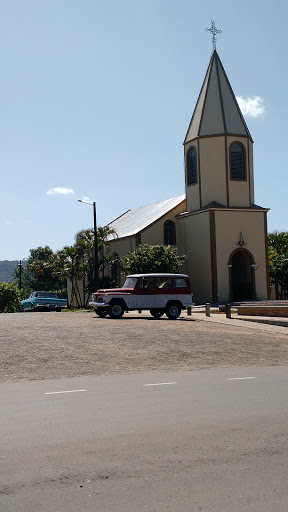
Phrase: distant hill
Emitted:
{"points": [[7, 269]]}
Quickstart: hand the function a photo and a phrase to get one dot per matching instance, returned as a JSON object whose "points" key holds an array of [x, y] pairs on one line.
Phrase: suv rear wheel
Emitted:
{"points": [[116, 310], [173, 310]]}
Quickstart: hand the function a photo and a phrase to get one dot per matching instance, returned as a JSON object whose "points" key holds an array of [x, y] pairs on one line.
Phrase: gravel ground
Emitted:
{"points": [[68, 344]]}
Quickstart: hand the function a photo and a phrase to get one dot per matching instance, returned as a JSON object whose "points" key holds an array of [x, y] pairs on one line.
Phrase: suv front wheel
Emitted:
{"points": [[102, 312], [173, 310], [116, 310]]}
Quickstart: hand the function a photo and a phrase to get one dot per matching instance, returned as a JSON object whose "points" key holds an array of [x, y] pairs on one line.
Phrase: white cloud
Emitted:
{"points": [[251, 107], [60, 191]]}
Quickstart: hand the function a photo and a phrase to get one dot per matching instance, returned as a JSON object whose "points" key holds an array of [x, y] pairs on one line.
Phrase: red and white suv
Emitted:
{"points": [[159, 293]]}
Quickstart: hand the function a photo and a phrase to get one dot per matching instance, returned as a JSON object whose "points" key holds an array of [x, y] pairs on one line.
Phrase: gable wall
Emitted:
{"points": [[154, 234], [122, 245]]}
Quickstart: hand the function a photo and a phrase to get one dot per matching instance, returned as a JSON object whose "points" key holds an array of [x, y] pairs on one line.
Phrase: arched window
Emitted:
{"points": [[192, 166], [169, 233], [237, 162]]}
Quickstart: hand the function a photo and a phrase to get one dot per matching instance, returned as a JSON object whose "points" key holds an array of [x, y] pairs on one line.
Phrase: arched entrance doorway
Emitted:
{"points": [[242, 275]]}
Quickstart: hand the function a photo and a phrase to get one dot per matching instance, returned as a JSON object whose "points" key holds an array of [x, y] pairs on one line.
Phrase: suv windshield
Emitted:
{"points": [[130, 282]]}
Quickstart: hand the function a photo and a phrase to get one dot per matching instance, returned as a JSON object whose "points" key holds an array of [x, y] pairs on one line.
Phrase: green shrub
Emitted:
{"points": [[9, 298], [152, 258]]}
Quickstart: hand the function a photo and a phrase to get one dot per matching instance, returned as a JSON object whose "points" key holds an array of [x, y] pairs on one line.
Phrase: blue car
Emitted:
{"points": [[42, 301]]}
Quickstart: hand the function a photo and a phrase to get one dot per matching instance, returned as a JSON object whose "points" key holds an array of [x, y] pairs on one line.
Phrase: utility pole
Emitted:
{"points": [[20, 274]]}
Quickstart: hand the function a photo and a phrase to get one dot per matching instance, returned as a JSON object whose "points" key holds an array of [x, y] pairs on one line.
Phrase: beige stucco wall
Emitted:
{"points": [[251, 168], [122, 245], [192, 191], [213, 170], [154, 234], [214, 174], [239, 191], [228, 226], [196, 236]]}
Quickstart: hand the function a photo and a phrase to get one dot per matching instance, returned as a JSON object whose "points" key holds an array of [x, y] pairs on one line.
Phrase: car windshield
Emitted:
{"points": [[130, 282], [47, 295]]}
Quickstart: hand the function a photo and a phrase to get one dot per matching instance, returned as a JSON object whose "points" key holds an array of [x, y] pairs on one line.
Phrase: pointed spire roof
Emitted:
{"points": [[217, 111]]}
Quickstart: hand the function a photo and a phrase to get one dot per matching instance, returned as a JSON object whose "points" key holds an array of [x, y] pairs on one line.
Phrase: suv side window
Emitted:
{"points": [[163, 283], [179, 282], [148, 283]]}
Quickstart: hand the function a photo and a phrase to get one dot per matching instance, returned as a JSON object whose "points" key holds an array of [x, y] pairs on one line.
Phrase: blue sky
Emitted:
{"points": [[96, 98]]}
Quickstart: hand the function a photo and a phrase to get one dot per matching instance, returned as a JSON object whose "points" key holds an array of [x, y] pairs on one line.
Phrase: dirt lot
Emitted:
{"points": [[67, 344]]}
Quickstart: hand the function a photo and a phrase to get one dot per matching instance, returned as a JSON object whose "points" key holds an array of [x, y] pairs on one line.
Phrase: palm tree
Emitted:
{"points": [[103, 245]]}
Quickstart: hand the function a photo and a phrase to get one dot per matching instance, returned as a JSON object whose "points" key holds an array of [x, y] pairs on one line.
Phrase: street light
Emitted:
{"points": [[96, 269]]}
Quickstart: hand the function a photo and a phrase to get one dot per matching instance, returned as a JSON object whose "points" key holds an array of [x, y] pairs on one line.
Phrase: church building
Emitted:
{"points": [[216, 223]]}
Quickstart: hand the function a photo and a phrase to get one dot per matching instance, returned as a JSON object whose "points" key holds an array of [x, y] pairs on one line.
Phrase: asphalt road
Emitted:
{"points": [[211, 440]]}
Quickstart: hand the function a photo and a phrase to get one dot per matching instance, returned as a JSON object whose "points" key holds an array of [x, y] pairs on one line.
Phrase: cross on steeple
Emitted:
{"points": [[214, 31]]}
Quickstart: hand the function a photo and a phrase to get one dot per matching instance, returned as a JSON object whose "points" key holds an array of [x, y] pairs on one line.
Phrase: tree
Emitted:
{"points": [[152, 258], [78, 263], [9, 298], [46, 270], [41, 272], [278, 262], [104, 259], [70, 267]]}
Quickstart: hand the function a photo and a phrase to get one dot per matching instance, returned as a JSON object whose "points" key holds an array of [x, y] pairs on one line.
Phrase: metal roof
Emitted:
{"points": [[133, 221]]}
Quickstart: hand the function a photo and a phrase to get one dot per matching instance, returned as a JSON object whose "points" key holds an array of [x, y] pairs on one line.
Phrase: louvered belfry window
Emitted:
{"points": [[169, 233], [192, 166], [237, 159]]}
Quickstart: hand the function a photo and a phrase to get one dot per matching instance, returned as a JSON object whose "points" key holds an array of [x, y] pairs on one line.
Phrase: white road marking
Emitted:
{"points": [[161, 384], [70, 391], [241, 378]]}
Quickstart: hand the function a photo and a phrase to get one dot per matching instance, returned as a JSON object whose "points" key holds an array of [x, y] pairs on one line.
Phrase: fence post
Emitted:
{"points": [[207, 309], [228, 310]]}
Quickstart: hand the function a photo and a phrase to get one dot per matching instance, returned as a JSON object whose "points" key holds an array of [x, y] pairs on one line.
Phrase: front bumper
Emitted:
{"points": [[99, 304]]}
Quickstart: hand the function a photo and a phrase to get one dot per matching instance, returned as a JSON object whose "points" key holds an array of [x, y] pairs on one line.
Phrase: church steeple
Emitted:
{"points": [[218, 147], [217, 111]]}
